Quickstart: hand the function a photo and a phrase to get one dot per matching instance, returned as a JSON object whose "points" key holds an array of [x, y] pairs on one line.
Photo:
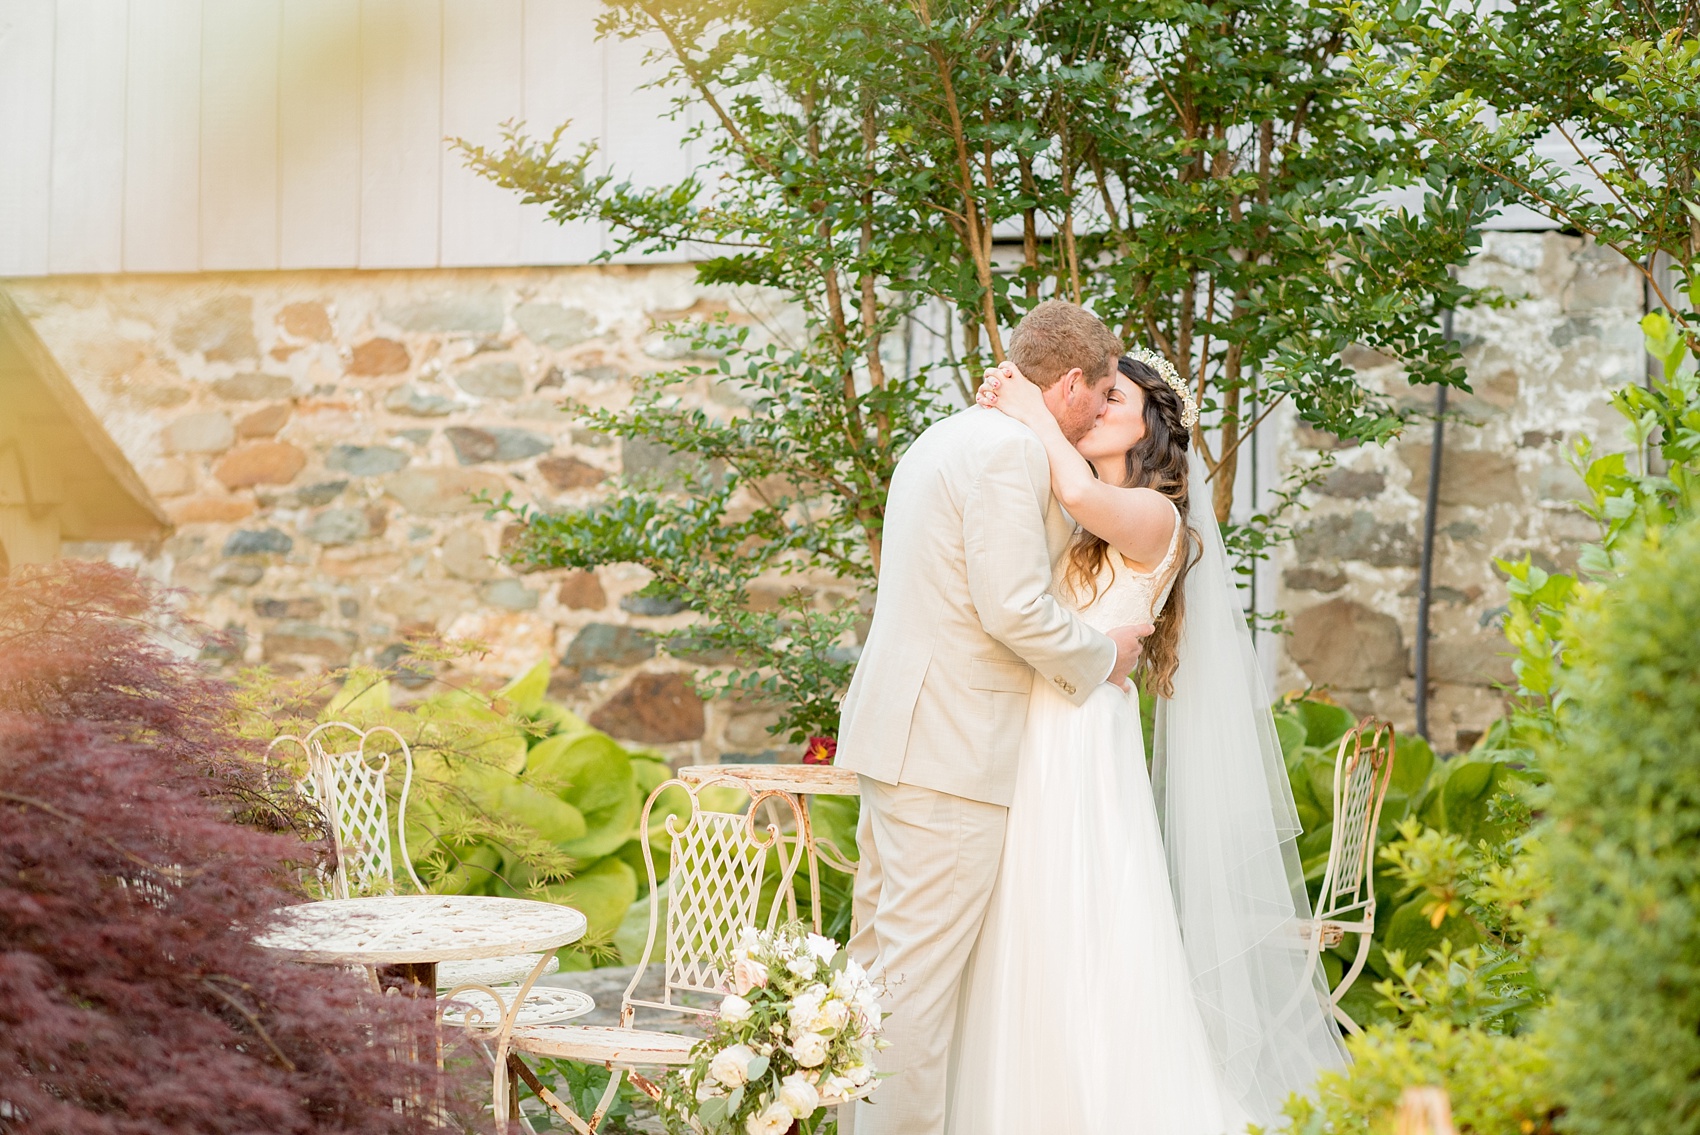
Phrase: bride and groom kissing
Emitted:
{"points": [[1067, 942]]}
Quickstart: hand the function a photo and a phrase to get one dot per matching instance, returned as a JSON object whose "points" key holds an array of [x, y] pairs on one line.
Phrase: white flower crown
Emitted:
{"points": [[1189, 408]]}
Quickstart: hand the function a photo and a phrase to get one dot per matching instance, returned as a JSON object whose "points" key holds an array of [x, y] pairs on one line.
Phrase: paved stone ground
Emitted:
{"points": [[608, 985]]}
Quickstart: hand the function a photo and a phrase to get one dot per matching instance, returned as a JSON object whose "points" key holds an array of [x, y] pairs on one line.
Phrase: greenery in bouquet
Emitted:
{"points": [[797, 1034]]}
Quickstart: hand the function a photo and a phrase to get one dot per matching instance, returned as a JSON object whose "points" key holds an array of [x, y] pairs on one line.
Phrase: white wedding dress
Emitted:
{"points": [[1079, 1015]]}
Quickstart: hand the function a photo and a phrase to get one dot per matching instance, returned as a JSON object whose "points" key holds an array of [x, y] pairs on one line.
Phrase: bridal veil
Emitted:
{"points": [[1230, 828]]}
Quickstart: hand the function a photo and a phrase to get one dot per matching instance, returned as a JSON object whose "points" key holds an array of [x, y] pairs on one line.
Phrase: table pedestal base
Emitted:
{"points": [[414, 979]]}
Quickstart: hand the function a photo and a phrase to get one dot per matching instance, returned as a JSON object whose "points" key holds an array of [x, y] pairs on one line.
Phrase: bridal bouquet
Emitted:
{"points": [[797, 1034]]}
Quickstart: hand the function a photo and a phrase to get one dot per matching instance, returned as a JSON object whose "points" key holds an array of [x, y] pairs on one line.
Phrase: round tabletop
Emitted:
{"points": [[402, 929], [800, 780]]}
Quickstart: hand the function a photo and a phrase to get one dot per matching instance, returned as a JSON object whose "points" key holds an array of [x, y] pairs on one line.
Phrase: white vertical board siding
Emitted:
{"points": [[319, 135], [641, 137], [230, 135], [86, 226], [565, 81], [26, 134], [483, 86], [401, 132], [239, 65], [162, 139]]}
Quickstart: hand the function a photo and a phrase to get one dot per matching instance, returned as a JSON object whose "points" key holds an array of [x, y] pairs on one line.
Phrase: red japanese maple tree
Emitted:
{"points": [[140, 849]]}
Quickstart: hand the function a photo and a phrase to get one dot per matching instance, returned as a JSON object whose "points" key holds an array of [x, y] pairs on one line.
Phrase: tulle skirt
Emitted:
{"points": [[1077, 1015]]}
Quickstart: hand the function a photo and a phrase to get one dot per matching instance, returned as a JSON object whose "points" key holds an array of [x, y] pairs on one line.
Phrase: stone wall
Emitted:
{"points": [[1541, 370], [318, 438]]}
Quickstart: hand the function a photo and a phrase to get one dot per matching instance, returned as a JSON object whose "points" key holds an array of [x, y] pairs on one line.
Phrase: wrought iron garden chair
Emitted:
{"points": [[717, 869], [348, 778], [1363, 768]]}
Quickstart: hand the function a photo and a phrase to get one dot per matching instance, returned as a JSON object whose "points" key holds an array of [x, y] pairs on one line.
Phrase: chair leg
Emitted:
{"points": [[517, 1068], [1351, 975], [1350, 1025], [615, 1075]]}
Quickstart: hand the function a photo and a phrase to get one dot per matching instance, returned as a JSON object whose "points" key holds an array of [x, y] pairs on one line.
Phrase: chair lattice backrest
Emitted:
{"points": [[1363, 768], [348, 777], [717, 870]]}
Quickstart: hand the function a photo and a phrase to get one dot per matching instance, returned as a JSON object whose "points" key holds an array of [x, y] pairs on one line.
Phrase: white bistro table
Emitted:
{"points": [[403, 937], [795, 781]]}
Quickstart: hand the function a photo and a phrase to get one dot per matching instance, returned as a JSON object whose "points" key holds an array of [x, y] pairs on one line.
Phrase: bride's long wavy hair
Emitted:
{"points": [[1156, 461]]}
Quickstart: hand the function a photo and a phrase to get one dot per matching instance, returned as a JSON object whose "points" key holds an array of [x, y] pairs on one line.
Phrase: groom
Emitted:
{"points": [[964, 624]]}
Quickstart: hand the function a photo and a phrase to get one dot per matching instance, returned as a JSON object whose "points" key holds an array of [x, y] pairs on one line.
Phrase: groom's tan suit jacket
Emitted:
{"points": [[964, 619]]}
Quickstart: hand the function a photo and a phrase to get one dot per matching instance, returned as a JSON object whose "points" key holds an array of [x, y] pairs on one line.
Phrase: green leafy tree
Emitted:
{"points": [[1611, 83], [1197, 172], [1612, 87]]}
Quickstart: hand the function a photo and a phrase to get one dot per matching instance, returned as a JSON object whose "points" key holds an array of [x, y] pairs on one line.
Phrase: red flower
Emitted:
{"points": [[820, 750]]}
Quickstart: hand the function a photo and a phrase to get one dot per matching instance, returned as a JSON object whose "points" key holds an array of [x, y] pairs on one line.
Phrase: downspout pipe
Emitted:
{"points": [[1425, 567]]}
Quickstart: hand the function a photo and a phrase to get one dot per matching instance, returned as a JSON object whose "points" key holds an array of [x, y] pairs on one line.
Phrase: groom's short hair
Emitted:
{"points": [[1057, 336]]}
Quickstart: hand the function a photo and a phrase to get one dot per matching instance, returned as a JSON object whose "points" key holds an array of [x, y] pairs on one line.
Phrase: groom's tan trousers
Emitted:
{"points": [[928, 864]]}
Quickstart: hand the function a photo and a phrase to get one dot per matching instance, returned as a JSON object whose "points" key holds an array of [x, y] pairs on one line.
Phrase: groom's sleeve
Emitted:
{"points": [[1009, 571]]}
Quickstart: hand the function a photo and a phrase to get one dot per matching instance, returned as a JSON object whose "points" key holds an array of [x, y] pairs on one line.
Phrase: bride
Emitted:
{"points": [[1143, 966]]}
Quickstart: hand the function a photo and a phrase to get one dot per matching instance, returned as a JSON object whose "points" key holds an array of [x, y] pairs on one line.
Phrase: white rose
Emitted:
{"points": [[809, 1050], [734, 1009], [832, 1016], [839, 1087], [730, 1065], [800, 1096], [748, 974], [805, 1007], [822, 947], [803, 965], [845, 987], [774, 1119]]}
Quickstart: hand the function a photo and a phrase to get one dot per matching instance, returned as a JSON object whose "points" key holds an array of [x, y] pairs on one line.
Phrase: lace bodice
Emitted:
{"points": [[1125, 597]]}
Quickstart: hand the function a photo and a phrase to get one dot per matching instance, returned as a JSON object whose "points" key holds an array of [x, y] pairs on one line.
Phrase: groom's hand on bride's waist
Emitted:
{"points": [[1129, 642]]}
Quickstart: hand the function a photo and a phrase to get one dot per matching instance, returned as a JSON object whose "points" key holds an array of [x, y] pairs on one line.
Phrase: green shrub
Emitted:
{"points": [[1624, 853], [1498, 1085]]}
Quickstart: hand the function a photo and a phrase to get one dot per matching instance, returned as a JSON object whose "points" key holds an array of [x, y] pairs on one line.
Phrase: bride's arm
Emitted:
{"points": [[1138, 523]]}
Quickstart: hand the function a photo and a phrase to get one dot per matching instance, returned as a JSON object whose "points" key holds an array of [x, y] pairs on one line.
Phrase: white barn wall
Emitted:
{"points": [[257, 135]]}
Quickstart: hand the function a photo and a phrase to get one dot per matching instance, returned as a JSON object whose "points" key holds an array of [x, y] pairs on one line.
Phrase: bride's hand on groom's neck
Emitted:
{"points": [[1006, 389]]}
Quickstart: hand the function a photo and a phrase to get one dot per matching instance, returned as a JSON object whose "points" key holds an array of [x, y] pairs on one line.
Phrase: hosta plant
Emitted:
{"points": [[797, 1034]]}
